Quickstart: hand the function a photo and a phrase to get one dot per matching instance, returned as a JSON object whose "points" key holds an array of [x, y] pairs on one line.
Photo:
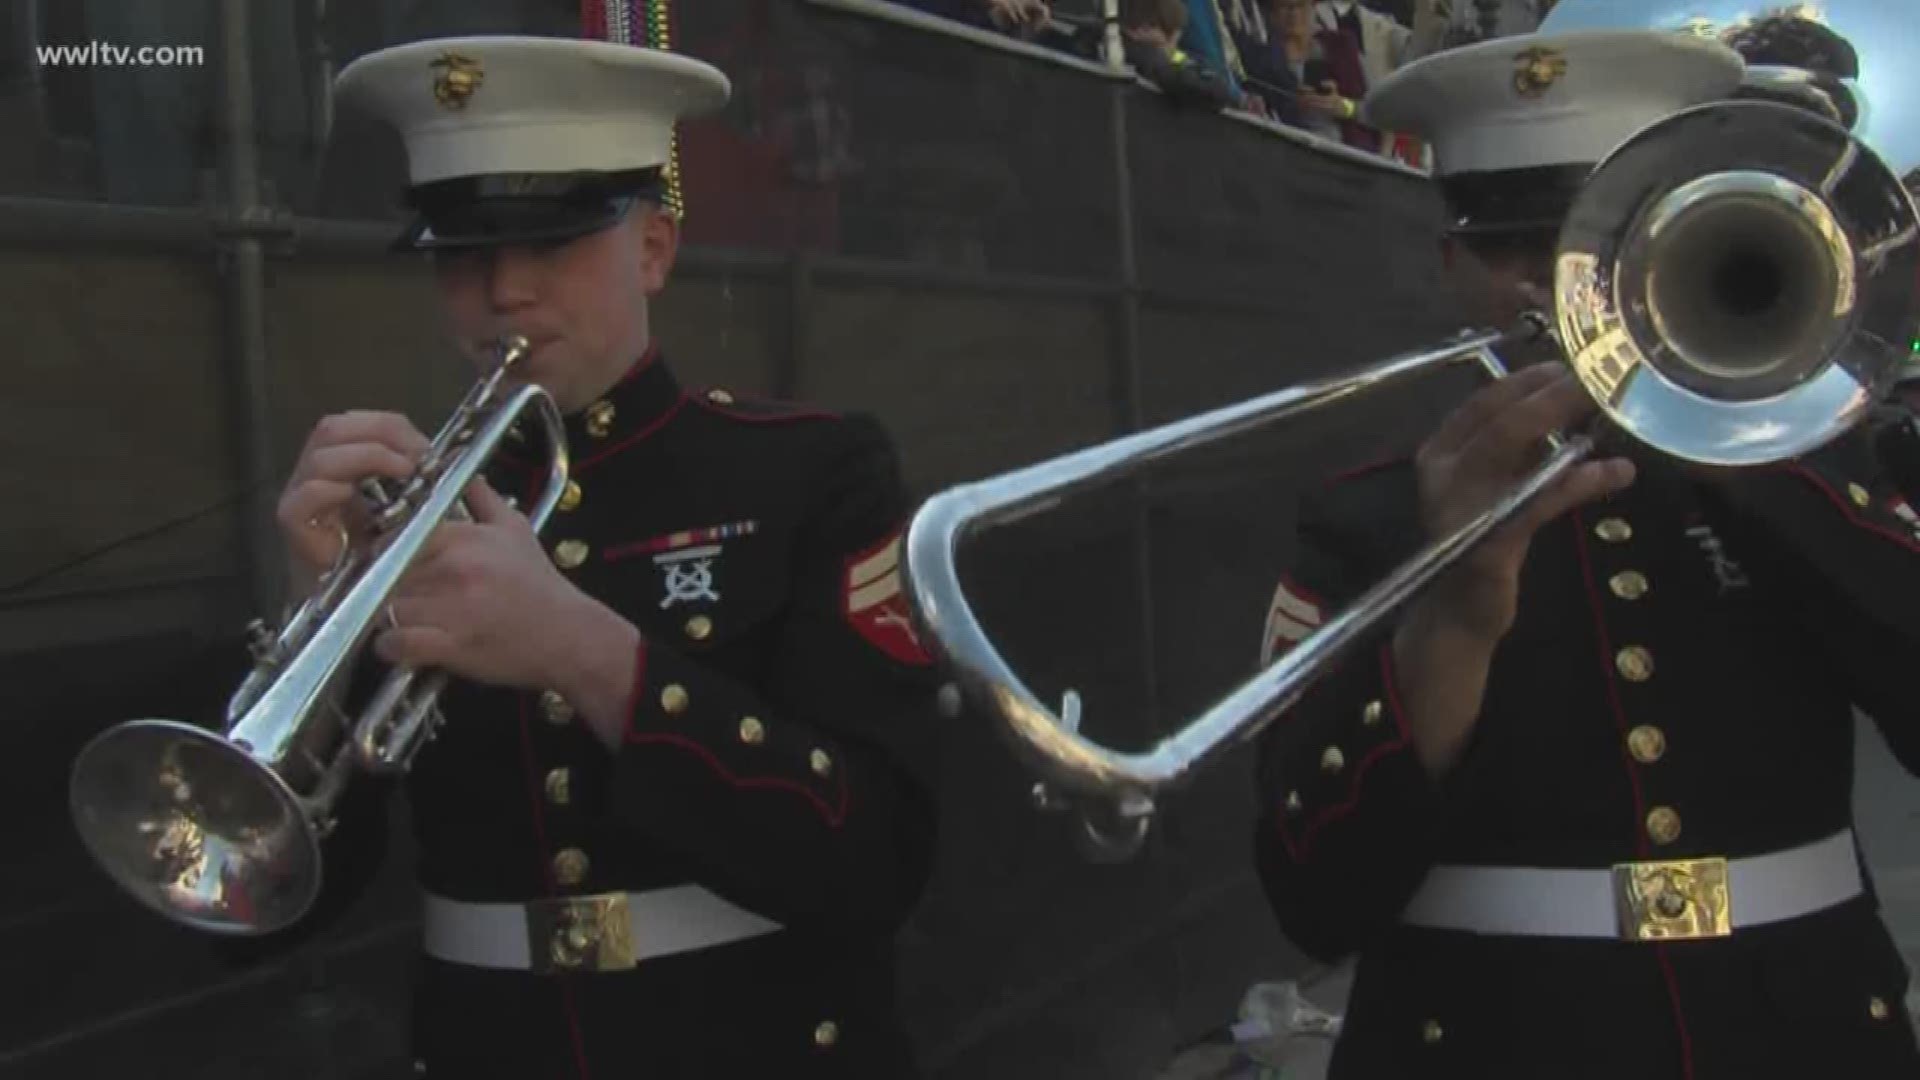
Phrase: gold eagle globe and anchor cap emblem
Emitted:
{"points": [[455, 78], [1537, 69]]}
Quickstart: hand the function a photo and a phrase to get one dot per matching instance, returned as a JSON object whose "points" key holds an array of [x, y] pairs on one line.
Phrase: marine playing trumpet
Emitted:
{"points": [[223, 830]]}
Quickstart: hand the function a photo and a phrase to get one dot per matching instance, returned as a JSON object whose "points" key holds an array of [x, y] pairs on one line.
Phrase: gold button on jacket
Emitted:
{"points": [[569, 554], [555, 708], [1635, 664], [1613, 530], [1648, 743], [600, 419], [1628, 584], [559, 787], [570, 866], [674, 699], [1663, 824]]}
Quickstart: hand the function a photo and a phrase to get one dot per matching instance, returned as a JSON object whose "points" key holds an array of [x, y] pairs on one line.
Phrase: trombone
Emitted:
{"points": [[1734, 285], [222, 831]]}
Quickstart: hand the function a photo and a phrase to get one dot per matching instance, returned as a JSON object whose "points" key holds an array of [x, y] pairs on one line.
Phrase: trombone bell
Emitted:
{"points": [[1736, 283]]}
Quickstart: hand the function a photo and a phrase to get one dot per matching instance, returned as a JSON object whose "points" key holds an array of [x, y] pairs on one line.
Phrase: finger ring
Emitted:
{"points": [[392, 619]]}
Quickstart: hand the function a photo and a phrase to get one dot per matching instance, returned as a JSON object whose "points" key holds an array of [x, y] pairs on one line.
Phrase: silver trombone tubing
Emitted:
{"points": [[1050, 743]]}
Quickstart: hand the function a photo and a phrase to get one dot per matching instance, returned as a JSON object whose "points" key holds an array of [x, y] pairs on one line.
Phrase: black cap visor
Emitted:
{"points": [[489, 211], [1512, 200]]}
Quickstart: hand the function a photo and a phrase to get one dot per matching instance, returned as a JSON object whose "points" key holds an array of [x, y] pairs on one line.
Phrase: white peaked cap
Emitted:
{"points": [[483, 106], [1544, 100]]}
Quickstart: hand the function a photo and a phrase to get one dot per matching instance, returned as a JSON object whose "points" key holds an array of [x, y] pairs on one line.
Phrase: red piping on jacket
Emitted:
{"points": [[1847, 509], [773, 418], [1633, 778], [540, 847], [639, 684], [1359, 471], [653, 426], [834, 816], [1297, 852]]}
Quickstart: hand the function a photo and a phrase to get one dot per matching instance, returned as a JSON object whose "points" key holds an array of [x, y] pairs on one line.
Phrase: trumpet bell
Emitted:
{"points": [[193, 828], [1735, 284]]}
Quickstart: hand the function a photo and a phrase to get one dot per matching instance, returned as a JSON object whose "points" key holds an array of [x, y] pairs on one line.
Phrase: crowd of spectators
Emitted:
{"points": [[1304, 63]]}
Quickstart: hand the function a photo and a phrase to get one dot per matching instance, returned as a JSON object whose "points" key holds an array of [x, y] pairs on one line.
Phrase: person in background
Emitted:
{"points": [[1152, 29], [1016, 18], [1294, 75], [1360, 47], [1468, 21], [1020, 18], [1265, 72], [1205, 37], [1211, 37]]}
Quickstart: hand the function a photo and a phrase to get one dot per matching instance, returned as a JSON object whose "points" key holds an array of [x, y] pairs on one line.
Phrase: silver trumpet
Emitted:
{"points": [[1735, 285], [222, 831]]}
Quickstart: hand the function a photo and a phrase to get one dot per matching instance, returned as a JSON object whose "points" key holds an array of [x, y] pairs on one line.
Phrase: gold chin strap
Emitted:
{"points": [[660, 36], [655, 31]]}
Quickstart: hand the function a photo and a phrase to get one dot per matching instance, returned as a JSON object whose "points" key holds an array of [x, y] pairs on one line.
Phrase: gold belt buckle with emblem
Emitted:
{"points": [[580, 933], [1678, 900]]}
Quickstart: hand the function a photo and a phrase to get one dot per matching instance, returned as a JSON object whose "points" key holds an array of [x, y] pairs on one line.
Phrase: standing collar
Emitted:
{"points": [[635, 406]]}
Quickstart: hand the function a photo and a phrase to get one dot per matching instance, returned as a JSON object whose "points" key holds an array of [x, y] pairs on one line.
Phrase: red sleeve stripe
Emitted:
{"points": [[1293, 601], [1291, 616]]}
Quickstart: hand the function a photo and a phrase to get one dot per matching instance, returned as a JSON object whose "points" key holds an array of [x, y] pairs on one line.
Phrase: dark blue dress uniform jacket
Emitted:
{"points": [[1680, 683], [777, 754]]}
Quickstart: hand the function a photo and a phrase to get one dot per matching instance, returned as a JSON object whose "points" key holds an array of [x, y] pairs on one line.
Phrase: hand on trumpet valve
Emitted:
{"points": [[485, 602], [1478, 454], [322, 499]]}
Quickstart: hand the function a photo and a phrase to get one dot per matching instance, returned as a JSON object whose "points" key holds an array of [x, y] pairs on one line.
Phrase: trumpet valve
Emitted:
{"points": [[260, 641]]}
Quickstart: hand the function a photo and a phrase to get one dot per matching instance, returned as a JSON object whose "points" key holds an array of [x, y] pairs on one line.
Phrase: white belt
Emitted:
{"points": [[1648, 901], [602, 932]]}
